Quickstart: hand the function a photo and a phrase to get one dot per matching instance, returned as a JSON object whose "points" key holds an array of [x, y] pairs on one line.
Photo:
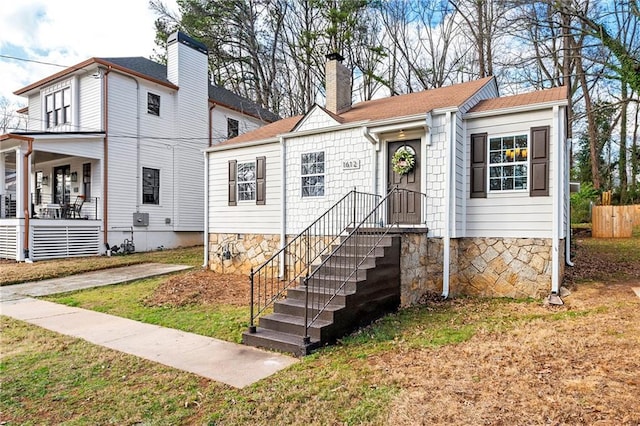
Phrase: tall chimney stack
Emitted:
{"points": [[338, 84]]}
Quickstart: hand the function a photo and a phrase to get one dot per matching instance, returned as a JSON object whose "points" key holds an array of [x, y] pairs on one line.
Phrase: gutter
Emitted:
{"points": [[105, 161], [554, 297], [205, 263], [567, 213], [283, 204], [447, 216]]}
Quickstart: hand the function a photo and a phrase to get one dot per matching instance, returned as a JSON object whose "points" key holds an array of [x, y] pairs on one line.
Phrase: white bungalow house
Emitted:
{"points": [[478, 184], [113, 151]]}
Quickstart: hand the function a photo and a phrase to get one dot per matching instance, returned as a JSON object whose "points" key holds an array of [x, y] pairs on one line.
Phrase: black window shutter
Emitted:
{"points": [[233, 171], [539, 152], [479, 165], [261, 190]]}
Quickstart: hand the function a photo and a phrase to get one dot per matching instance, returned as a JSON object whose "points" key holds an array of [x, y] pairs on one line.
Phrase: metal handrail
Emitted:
{"points": [[291, 263], [355, 248]]}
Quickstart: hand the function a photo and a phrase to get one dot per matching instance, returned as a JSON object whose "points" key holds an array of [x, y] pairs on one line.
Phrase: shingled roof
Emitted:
{"points": [[378, 109], [538, 97]]}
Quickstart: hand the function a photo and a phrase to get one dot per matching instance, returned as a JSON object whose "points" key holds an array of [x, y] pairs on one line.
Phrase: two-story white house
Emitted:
{"points": [[113, 152]]}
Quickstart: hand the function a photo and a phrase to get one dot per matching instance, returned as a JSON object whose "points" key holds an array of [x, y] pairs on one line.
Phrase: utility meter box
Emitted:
{"points": [[141, 219]]}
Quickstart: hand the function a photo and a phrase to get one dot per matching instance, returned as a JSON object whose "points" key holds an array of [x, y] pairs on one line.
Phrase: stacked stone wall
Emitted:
{"points": [[491, 267], [246, 251]]}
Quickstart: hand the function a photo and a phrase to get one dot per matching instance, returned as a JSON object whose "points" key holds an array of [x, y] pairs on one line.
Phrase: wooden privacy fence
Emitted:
{"points": [[614, 221]]}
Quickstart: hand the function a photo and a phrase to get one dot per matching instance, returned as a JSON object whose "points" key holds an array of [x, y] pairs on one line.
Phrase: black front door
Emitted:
{"points": [[405, 204], [62, 185]]}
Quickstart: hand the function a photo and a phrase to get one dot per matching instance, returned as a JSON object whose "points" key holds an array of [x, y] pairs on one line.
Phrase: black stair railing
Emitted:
{"points": [[346, 262], [291, 264]]}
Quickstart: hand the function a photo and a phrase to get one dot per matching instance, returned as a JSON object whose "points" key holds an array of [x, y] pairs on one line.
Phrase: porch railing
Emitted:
{"points": [[328, 279], [7, 206], [47, 206], [290, 264]]}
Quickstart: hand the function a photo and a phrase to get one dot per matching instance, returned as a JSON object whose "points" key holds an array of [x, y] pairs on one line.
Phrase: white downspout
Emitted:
{"points": [[557, 194], [205, 263], [283, 204], [567, 194], [374, 158], [447, 207]]}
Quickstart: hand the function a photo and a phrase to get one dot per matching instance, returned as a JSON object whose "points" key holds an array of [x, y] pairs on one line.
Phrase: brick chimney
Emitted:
{"points": [[338, 84]]}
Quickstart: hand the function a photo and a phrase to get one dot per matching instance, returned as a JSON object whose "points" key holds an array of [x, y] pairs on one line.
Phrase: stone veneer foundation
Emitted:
{"points": [[247, 251], [495, 267], [492, 267]]}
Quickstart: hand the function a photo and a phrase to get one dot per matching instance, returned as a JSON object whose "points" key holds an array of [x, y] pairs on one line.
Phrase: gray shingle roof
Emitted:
{"points": [[217, 94]]}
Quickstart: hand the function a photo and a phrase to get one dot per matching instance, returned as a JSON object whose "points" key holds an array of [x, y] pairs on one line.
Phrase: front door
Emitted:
{"points": [[62, 185], [404, 206]]}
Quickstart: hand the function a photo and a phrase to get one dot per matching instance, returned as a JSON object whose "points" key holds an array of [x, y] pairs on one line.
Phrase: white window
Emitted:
{"points": [[508, 163], [247, 181], [153, 104], [150, 186], [313, 174], [58, 108]]}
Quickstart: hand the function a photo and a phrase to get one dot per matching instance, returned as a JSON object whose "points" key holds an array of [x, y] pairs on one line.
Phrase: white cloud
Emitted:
{"points": [[67, 32]]}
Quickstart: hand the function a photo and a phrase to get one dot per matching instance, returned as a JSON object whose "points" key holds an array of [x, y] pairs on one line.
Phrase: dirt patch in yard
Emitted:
{"points": [[202, 287]]}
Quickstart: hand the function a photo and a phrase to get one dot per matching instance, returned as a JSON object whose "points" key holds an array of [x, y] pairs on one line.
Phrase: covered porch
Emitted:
{"points": [[50, 195]]}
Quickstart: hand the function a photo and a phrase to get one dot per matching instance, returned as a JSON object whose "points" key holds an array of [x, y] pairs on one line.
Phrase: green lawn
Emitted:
{"points": [[11, 272]]}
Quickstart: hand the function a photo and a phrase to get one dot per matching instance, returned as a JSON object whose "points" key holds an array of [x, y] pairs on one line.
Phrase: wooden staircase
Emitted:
{"points": [[368, 294]]}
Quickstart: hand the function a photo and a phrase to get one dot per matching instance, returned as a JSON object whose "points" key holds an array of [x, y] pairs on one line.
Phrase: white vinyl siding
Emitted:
{"points": [[510, 214], [245, 217], [219, 117]]}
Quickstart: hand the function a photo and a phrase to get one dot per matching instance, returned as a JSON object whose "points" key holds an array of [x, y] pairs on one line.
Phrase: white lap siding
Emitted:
{"points": [[246, 217], [510, 214]]}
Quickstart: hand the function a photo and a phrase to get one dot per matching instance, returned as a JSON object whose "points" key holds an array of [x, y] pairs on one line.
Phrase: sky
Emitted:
{"points": [[67, 32]]}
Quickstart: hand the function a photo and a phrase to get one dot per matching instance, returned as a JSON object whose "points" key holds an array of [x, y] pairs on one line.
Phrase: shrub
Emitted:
{"points": [[581, 203]]}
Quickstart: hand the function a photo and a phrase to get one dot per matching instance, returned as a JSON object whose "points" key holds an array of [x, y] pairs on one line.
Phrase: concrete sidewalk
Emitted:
{"points": [[225, 362]]}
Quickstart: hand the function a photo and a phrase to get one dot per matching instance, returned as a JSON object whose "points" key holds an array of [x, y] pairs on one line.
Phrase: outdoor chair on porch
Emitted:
{"points": [[76, 207]]}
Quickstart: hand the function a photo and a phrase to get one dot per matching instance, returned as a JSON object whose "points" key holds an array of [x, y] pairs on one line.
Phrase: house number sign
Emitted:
{"points": [[350, 164]]}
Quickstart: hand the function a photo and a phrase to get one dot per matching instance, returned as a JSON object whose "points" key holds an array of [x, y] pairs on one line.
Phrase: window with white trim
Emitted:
{"points": [[57, 108], [150, 186], [508, 163], [313, 174], [153, 104], [247, 181]]}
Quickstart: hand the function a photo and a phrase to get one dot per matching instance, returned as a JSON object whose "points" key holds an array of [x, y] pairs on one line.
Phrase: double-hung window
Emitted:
{"points": [[58, 108], [312, 174], [508, 163], [247, 181]]}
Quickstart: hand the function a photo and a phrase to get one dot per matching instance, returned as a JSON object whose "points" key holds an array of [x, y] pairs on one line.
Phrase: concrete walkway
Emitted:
{"points": [[225, 362]]}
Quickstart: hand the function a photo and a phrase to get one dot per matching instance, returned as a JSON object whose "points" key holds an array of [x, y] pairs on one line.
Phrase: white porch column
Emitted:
{"points": [[3, 182], [20, 171]]}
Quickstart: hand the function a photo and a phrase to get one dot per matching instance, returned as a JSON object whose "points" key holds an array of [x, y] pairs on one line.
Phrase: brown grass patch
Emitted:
{"points": [[202, 287], [582, 369]]}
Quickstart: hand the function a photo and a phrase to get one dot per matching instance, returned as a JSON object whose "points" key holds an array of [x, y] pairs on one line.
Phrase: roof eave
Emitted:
{"points": [[516, 109], [225, 147], [81, 66]]}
